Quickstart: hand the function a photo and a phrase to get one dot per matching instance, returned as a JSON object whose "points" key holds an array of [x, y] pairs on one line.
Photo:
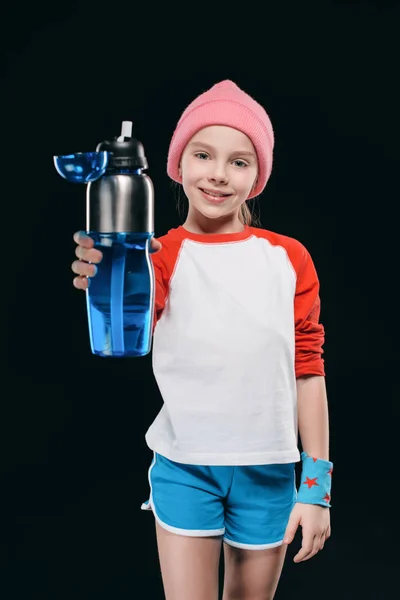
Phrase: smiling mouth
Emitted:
{"points": [[215, 195]]}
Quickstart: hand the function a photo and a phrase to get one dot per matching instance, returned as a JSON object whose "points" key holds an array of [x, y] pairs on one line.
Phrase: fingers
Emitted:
{"points": [[292, 526], [306, 550], [82, 239], [85, 247], [91, 255], [311, 546], [83, 268], [81, 283], [325, 536], [155, 246], [88, 257], [290, 533]]}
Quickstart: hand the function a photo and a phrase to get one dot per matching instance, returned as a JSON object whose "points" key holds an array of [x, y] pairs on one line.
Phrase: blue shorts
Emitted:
{"points": [[248, 505]]}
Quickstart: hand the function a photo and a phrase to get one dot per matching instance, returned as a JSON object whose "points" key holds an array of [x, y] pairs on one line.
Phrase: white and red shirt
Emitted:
{"points": [[236, 322]]}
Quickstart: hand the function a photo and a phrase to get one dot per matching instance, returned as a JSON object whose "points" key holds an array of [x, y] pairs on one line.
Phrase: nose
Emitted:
{"points": [[217, 174]]}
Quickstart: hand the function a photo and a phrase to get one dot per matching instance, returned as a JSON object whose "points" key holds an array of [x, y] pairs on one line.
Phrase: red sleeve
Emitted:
{"points": [[310, 333], [164, 262], [161, 284]]}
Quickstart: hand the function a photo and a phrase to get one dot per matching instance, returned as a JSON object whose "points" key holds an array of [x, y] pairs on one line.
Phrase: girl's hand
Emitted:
{"points": [[88, 257], [315, 523]]}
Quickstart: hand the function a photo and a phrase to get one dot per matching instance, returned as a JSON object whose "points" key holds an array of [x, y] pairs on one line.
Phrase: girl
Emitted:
{"points": [[237, 355]]}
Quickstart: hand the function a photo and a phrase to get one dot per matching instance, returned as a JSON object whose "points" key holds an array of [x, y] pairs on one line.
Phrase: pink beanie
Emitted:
{"points": [[225, 104]]}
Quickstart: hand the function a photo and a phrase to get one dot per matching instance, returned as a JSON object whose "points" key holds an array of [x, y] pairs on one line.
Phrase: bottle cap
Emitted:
{"points": [[125, 150], [81, 167]]}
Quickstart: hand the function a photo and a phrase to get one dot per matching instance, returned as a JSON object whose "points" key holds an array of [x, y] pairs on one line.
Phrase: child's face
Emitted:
{"points": [[218, 159]]}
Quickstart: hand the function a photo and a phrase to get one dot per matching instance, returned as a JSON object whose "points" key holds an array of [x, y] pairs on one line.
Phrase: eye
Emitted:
{"points": [[242, 164], [201, 154]]}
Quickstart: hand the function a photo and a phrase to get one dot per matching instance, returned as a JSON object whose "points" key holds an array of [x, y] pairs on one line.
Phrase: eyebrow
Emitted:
{"points": [[239, 152]]}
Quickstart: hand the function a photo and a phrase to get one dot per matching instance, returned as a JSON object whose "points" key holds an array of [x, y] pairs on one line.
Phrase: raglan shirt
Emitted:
{"points": [[236, 321]]}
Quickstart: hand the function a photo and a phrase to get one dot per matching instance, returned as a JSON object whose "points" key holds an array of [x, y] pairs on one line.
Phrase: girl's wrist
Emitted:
{"points": [[315, 481]]}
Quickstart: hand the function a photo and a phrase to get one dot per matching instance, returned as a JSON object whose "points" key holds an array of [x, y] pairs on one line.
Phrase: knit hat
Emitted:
{"points": [[225, 104]]}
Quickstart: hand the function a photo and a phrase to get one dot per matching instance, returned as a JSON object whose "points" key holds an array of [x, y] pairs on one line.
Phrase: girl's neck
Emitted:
{"points": [[204, 226]]}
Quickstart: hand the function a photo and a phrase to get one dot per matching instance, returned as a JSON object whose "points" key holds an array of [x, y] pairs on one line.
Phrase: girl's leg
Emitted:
{"points": [[189, 565], [252, 574]]}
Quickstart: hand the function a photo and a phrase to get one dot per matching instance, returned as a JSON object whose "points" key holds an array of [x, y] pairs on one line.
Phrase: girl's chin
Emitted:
{"points": [[216, 212]]}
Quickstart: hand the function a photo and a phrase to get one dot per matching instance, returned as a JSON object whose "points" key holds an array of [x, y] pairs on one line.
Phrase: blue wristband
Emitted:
{"points": [[315, 481]]}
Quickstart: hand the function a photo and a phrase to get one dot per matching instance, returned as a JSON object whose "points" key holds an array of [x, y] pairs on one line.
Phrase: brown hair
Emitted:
{"points": [[247, 216]]}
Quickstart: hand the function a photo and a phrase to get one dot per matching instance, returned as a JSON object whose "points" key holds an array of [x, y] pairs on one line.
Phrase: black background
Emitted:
{"points": [[73, 457]]}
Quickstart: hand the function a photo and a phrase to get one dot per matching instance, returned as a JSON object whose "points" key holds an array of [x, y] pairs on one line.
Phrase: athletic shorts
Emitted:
{"points": [[249, 506]]}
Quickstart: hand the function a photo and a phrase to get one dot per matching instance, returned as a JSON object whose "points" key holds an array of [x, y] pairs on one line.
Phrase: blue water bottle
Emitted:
{"points": [[120, 219]]}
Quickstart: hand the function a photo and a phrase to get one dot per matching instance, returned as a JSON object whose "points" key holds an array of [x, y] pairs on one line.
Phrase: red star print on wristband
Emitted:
{"points": [[330, 472], [309, 456], [310, 482], [327, 498]]}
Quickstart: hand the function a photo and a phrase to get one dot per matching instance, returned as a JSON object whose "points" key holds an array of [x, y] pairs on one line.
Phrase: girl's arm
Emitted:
{"points": [[313, 417]]}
